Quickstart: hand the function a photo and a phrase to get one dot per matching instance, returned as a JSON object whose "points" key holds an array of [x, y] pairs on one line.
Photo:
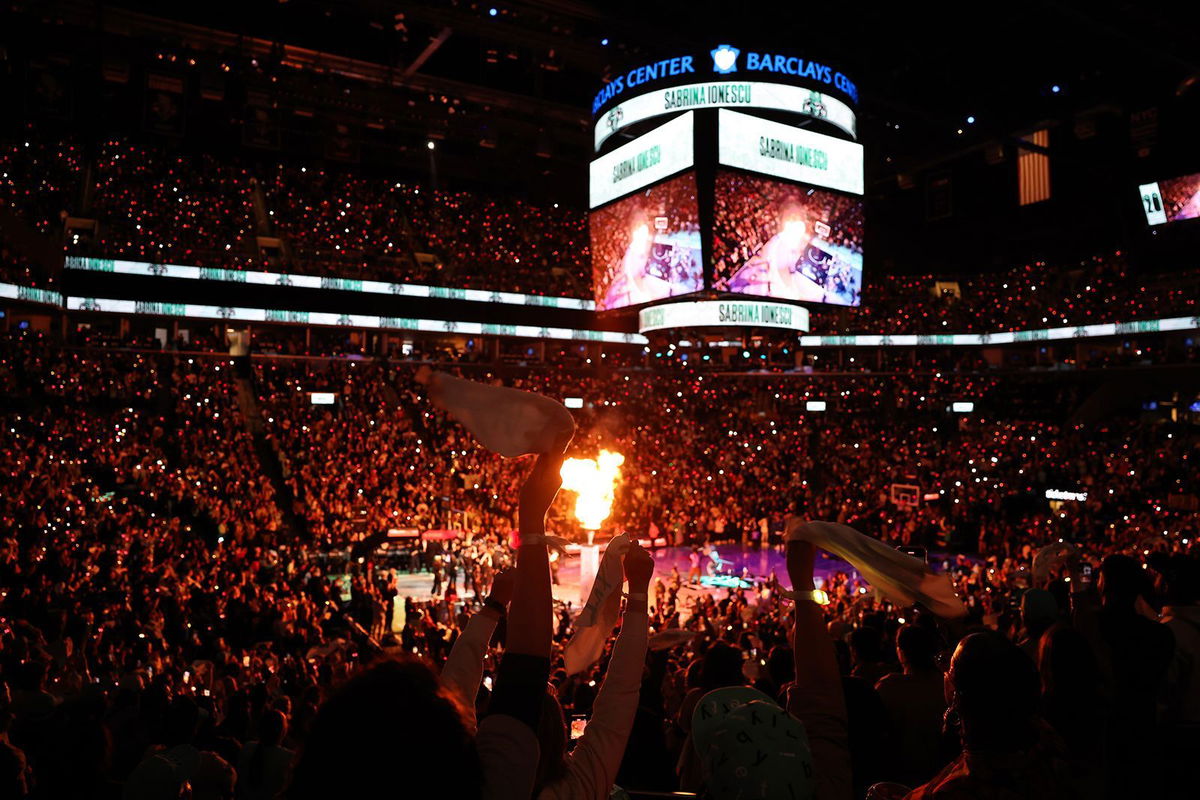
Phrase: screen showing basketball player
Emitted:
{"points": [[646, 246], [786, 240]]}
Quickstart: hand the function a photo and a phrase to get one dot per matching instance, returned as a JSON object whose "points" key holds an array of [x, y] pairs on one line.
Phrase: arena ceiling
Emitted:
{"points": [[524, 75]]}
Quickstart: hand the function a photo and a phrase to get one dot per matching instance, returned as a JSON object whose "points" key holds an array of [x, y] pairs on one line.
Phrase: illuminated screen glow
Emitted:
{"points": [[646, 246], [789, 152], [646, 160], [786, 241], [1171, 200]]}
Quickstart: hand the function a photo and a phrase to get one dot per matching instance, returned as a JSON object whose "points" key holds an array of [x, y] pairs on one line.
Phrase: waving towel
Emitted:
{"points": [[665, 640], [599, 615], [901, 578], [506, 421], [1048, 557]]}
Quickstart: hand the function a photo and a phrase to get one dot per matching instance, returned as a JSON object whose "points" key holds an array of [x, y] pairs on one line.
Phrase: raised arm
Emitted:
{"points": [[464, 667], [531, 625], [507, 740], [592, 766], [816, 698]]}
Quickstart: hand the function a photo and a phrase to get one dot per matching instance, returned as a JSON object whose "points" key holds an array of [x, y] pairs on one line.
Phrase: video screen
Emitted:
{"points": [[1172, 200], [646, 246], [786, 241]]}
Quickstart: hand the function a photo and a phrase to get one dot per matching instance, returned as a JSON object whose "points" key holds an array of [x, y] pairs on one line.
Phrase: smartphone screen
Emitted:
{"points": [[916, 552], [578, 726]]}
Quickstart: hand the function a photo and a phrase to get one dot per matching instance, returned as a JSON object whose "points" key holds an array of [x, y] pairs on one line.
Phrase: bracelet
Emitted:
{"points": [[495, 605], [556, 543], [798, 595]]}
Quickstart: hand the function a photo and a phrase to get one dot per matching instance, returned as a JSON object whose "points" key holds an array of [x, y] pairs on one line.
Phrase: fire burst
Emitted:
{"points": [[594, 481]]}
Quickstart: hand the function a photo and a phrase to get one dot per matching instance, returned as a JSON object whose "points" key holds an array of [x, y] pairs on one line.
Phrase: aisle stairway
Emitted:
{"points": [[268, 458]]}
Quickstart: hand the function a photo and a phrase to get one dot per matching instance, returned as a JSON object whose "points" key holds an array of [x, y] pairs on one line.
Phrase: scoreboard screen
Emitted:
{"points": [[647, 246], [647, 159], [1171, 200], [786, 241], [789, 152]]}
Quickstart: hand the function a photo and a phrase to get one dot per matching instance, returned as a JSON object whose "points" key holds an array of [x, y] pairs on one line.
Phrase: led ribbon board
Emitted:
{"points": [[1006, 337], [194, 311], [723, 313], [29, 294], [725, 94], [647, 159], [318, 282], [788, 152]]}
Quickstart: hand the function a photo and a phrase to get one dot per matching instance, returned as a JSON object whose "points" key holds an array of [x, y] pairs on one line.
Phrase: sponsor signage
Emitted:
{"points": [[722, 60], [195, 311], [317, 282], [788, 152], [726, 94], [1061, 494], [647, 159], [723, 313]]}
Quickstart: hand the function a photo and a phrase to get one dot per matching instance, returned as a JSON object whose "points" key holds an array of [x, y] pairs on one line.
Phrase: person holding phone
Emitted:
{"points": [[464, 666], [590, 769]]}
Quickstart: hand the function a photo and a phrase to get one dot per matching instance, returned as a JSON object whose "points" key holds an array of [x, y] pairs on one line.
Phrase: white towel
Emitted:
{"points": [[506, 421], [665, 640], [901, 578], [599, 615], [1047, 558]]}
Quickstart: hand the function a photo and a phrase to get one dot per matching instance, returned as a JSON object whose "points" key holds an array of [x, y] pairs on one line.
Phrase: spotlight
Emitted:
{"points": [[492, 12], [430, 145]]}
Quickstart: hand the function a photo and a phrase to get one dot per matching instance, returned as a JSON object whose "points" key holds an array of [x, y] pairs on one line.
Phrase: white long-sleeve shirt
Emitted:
{"points": [[508, 748], [463, 669], [592, 766]]}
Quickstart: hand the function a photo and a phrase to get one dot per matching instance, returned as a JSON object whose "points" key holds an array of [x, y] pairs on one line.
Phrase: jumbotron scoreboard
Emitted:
{"points": [[731, 179]]}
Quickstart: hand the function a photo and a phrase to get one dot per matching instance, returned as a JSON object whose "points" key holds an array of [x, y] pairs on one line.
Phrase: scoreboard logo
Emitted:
{"points": [[614, 118], [725, 59]]}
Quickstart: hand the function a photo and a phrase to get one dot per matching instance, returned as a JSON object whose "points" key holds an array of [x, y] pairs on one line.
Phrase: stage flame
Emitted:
{"points": [[594, 480]]}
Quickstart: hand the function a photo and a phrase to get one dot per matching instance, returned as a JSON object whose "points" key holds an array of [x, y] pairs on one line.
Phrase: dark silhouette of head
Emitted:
{"points": [[995, 690], [722, 666], [866, 645], [1122, 580], [917, 647], [391, 719], [272, 728]]}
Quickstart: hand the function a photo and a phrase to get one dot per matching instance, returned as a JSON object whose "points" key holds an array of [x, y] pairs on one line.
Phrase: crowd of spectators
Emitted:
{"points": [[172, 611], [167, 207], [376, 227], [171, 208], [1102, 289], [155, 205]]}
